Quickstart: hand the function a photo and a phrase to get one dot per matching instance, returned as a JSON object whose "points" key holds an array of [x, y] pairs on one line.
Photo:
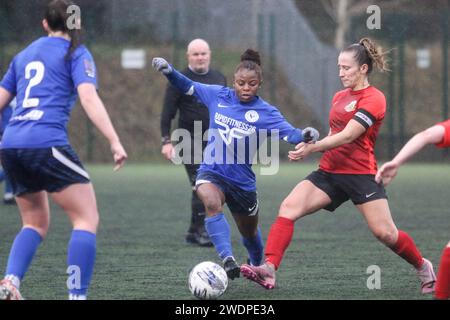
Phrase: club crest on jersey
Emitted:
{"points": [[251, 116], [350, 107], [89, 68]]}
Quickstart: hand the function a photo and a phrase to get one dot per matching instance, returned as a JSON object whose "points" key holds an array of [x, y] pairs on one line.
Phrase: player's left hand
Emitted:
{"points": [[387, 173], [161, 65], [119, 155]]}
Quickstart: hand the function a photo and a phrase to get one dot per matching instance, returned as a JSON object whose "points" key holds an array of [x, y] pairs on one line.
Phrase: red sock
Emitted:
{"points": [[280, 235], [443, 278], [406, 248]]}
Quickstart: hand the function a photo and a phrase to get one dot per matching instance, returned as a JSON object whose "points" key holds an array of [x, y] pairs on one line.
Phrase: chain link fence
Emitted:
{"points": [[276, 28], [300, 69]]}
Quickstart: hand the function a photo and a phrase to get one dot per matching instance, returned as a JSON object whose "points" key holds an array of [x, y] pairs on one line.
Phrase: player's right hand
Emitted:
{"points": [[161, 65], [168, 151], [119, 155]]}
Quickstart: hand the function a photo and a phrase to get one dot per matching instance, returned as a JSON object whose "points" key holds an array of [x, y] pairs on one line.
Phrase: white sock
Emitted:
{"points": [[8, 196], [77, 296], [423, 266], [14, 279]]}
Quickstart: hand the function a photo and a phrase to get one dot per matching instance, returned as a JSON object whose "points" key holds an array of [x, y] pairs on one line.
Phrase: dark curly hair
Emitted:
{"points": [[251, 60]]}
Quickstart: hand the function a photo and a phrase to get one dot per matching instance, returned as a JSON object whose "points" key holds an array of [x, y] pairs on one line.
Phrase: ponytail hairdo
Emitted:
{"points": [[251, 60], [367, 52], [57, 18]]}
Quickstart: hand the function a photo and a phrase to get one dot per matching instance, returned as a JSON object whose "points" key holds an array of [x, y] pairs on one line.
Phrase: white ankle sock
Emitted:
{"points": [[77, 296], [14, 279]]}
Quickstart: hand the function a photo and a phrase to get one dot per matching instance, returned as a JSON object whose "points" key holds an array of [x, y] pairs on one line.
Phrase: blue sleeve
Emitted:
{"points": [[83, 67], [204, 92], [9, 80], [286, 131]]}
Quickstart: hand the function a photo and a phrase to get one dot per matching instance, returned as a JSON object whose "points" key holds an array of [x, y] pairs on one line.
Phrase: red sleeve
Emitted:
{"points": [[445, 143], [337, 96], [374, 103]]}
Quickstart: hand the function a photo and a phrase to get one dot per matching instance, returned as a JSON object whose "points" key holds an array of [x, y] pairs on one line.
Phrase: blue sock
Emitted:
{"points": [[22, 252], [80, 261], [219, 232], [255, 248]]}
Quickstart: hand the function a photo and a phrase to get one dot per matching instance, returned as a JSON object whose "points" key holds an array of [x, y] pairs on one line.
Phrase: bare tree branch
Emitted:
{"points": [[361, 6], [343, 22], [330, 9]]}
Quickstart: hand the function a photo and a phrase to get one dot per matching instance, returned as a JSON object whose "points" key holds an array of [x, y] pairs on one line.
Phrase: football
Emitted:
{"points": [[207, 280]]}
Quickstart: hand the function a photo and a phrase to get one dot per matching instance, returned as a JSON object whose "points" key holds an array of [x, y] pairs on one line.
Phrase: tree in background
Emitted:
{"points": [[342, 13]]}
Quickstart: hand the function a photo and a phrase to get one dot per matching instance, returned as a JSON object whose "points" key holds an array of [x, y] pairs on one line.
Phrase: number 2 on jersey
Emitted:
{"points": [[38, 76]]}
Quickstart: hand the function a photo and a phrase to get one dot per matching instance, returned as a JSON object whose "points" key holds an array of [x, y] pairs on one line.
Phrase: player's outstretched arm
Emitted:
{"points": [[97, 113], [307, 135], [389, 170], [178, 80], [351, 132], [5, 98]]}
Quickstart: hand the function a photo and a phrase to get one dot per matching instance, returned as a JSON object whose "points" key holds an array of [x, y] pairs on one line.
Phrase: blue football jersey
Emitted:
{"points": [[5, 116], [236, 131], [45, 85]]}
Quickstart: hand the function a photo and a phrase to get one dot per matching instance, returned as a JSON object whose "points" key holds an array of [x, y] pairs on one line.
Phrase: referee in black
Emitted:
{"points": [[199, 58]]}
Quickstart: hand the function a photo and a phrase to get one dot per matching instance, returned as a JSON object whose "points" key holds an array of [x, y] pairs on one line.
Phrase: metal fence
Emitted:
{"points": [[417, 95], [276, 28]]}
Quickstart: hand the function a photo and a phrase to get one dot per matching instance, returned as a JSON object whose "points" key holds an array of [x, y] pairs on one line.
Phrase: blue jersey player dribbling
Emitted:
{"points": [[46, 78], [235, 115]]}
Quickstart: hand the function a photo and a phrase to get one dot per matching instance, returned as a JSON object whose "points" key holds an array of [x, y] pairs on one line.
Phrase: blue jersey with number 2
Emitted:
{"points": [[45, 85]]}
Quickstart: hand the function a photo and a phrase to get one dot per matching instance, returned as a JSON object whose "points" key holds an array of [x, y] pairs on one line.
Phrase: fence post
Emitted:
{"points": [[2, 42], [262, 47], [260, 32], [391, 113], [401, 85], [175, 38], [272, 63], [445, 39]]}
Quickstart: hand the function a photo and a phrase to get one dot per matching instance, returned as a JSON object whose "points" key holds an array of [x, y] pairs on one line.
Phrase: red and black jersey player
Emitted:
{"points": [[439, 135], [347, 170]]}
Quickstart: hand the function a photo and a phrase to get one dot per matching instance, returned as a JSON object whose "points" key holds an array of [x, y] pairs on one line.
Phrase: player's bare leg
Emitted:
{"points": [[303, 200], [35, 214], [79, 203], [380, 222], [217, 226]]}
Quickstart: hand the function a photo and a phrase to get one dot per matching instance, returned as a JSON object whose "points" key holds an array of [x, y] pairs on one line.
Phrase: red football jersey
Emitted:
{"points": [[445, 143], [367, 106]]}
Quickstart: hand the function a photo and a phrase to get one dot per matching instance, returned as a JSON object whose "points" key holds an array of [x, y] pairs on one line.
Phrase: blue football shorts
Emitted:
{"points": [[50, 169], [238, 201]]}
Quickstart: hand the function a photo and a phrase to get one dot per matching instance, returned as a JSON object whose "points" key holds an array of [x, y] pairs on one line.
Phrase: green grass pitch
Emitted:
{"points": [[145, 211]]}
